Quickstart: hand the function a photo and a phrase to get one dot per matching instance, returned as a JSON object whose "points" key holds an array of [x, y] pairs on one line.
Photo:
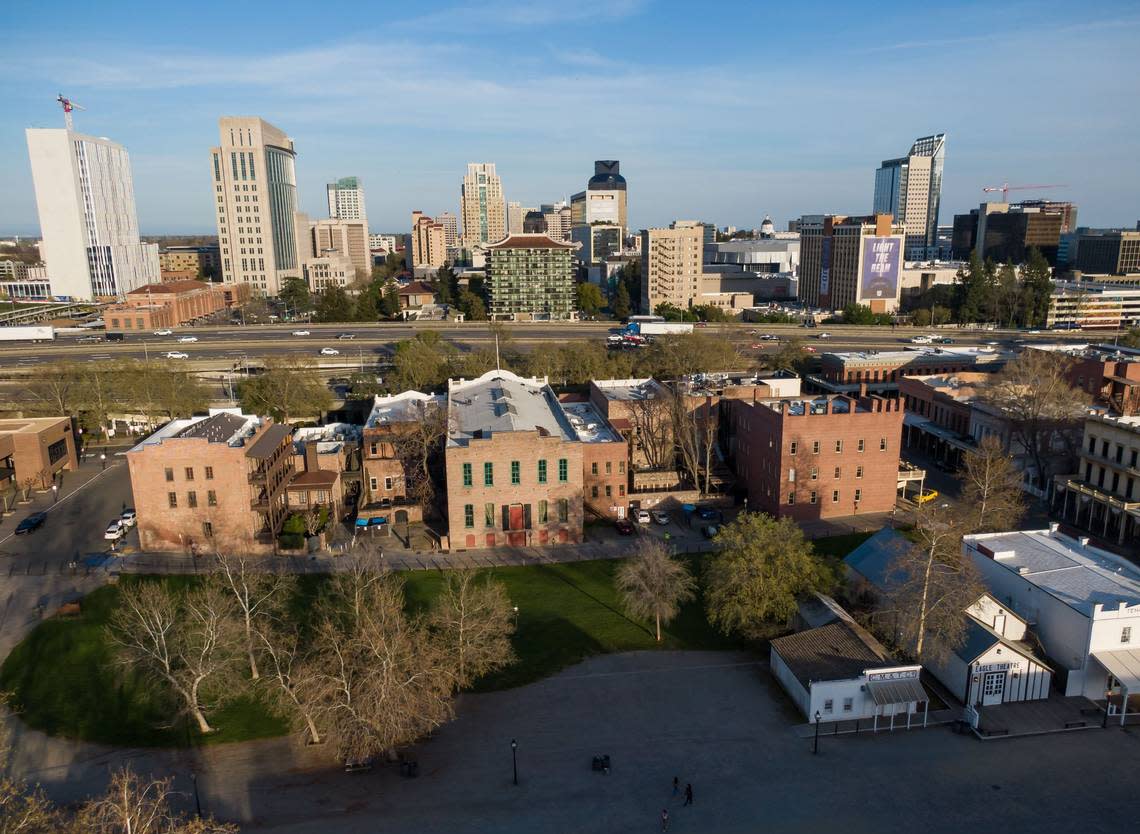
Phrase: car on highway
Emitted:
{"points": [[115, 531], [177, 354], [129, 517], [1034, 332], [330, 352], [187, 339], [944, 340], [164, 332], [643, 517], [660, 517], [89, 339], [824, 335], [30, 524], [809, 349], [921, 340], [624, 527], [346, 335], [301, 333], [926, 497]]}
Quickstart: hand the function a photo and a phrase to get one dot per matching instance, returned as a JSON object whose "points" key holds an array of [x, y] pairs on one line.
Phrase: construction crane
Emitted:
{"points": [[68, 105], [1005, 188]]}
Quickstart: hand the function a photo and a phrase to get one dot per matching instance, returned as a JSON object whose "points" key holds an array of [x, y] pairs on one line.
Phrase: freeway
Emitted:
{"points": [[224, 345]]}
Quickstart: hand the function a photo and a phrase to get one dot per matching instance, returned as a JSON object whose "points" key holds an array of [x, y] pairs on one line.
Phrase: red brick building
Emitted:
{"points": [[825, 457], [1109, 374], [172, 303], [881, 371], [384, 487], [33, 450], [605, 459]]}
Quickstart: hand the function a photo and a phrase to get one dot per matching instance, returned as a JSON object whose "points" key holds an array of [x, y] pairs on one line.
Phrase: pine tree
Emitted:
{"points": [[619, 305]]}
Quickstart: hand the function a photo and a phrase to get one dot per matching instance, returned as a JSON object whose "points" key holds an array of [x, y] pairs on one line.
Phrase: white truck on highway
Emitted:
{"points": [[657, 328], [27, 333]]}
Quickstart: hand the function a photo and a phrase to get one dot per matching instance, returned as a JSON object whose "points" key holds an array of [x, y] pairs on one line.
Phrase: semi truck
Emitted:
{"points": [[27, 333], [657, 328]]}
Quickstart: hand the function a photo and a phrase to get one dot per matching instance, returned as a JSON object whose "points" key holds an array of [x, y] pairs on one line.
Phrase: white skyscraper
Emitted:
{"points": [[346, 199], [255, 192], [910, 189], [482, 206], [450, 228], [86, 201]]}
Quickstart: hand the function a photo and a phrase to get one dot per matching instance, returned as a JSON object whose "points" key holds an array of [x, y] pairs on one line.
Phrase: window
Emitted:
{"points": [[792, 447], [374, 449], [858, 471], [835, 496], [814, 473], [563, 510], [815, 447], [488, 474], [594, 491], [1126, 634], [169, 474], [468, 515], [172, 500], [373, 485], [827, 705], [211, 498], [1092, 445], [489, 514], [57, 450], [848, 704], [621, 489], [791, 498], [209, 473], [542, 471], [192, 499], [516, 478], [387, 483], [858, 495], [542, 512], [621, 464], [466, 475], [594, 468], [609, 491], [792, 475], [838, 445], [563, 471], [1104, 448], [609, 467], [207, 529], [838, 472], [861, 444], [811, 497], [189, 473], [882, 444]]}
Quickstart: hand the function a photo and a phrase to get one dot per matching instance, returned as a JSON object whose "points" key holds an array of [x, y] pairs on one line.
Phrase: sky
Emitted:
{"points": [[721, 112]]}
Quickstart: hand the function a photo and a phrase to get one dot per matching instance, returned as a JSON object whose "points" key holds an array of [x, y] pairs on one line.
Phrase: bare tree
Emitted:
{"points": [[291, 676], [1042, 406], [134, 805], [182, 640], [255, 594], [992, 487], [653, 584], [313, 520], [55, 389], [416, 445], [472, 618], [653, 426], [686, 435], [24, 809]]}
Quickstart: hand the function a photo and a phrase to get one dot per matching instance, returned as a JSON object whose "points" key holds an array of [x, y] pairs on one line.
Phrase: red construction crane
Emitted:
{"points": [[68, 105], [1005, 188]]}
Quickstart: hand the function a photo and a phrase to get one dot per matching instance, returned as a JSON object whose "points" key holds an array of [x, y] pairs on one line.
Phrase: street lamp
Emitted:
{"points": [[815, 748], [516, 616], [515, 759], [103, 459], [54, 493]]}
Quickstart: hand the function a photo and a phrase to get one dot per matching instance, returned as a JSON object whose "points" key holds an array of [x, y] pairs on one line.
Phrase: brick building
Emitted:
{"points": [[880, 371], [172, 303], [1103, 495], [817, 458], [514, 464], [215, 482], [384, 482], [605, 460], [35, 449], [1109, 374]]}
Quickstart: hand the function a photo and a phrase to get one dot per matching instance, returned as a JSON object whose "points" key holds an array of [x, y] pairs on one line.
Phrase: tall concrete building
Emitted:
{"points": [[1007, 231], [482, 206], [450, 228], [255, 190], [672, 265], [557, 216], [429, 242], [333, 251], [598, 219], [86, 201], [516, 213], [910, 189], [531, 278], [851, 260], [346, 200]]}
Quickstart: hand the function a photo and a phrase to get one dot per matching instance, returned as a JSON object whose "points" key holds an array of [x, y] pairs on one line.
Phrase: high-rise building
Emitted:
{"points": [[851, 260], [255, 188], [515, 214], [346, 199], [1003, 232], [481, 204], [332, 252], [450, 228], [598, 215], [86, 201], [910, 189], [557, 216], [1102, 252], [530, 277], [672, 265], [429, 242]]}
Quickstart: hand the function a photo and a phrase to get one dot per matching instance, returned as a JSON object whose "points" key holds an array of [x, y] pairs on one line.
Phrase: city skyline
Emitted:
{"points": [[770, 132]]}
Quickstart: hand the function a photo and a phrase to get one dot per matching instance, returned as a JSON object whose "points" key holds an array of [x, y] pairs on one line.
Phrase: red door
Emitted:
{"points": [[516, 517], [490, 540]]}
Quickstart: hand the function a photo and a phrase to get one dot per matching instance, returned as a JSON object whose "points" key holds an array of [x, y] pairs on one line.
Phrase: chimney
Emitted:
{"points": [[311, 456]]}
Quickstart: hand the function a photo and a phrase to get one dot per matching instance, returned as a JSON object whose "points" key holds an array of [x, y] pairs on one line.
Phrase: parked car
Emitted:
{"points": [[643, 517], [926, 497], [709, 514], [115, 531], [186, 340], [90, 339], [660, 517], [177, 354], [624, 527], [709, 531], [129, 517], [330, 352], [346, 335], [300, 332], [164, 332], [30, 524]]}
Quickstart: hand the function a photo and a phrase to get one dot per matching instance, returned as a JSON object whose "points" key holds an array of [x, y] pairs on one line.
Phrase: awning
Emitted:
{"points": [[1122, 664], [905, 691]]}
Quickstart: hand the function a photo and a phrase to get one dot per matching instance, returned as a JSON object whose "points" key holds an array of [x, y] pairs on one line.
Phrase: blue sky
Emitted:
{"points": [[720, 112]]}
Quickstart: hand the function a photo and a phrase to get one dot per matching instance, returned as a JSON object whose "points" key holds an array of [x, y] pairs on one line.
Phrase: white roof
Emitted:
{"points": [[400, 408], [589, 424], [1124, 665], [629, 389], [176, 427], [500, 401], [1080, 576]]}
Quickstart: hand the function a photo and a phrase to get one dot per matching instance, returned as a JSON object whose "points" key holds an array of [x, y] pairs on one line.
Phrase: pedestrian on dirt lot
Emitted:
{"points": [[689, 794], [676, 785], [664, 819]]}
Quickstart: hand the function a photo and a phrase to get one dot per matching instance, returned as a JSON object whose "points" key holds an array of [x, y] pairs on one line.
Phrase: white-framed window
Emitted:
{"points": [[861, 444], [858, 471], [1126, 634], [812, 498], [835, 496], [372, 483], [882, 444], [387, 483], [792, 447], [792, 475], [815, 447], [848, 704], [838, 445], [828, 705], [791, 498]]}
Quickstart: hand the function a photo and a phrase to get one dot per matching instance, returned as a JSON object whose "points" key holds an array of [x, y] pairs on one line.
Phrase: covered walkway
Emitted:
{"points": [[1123, 667]]}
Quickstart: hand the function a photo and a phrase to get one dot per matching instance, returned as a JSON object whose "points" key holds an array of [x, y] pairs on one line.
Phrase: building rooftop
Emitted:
{"points": [[813, 405], [170, 287], [416, 288], [267, 443], [589, 424], [219, 425], [313, 478], [630, 389], [929, 355], [838, 651], [873, 558], [1078, 575], [218, 428], [29, 425], [963, 386], [405, 407], [529, 242], [500, 401]]}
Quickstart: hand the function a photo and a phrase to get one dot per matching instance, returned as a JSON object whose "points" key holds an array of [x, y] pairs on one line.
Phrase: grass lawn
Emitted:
{"points": [[64, 679]]}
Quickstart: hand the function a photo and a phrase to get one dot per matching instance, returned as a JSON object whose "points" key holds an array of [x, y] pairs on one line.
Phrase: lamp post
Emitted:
{"points": [[103, 459], [516, 610], [54, 493], [515, 759], [815, 747]]}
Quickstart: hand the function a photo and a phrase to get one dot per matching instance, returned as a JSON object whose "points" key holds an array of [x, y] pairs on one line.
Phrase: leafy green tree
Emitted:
{"points": [[422, 363], [976, 290], [630, 278], [790, 356], [289, 388], [673, 356], [920, 317], [761, 566], [295, 294], [1037, 287], [334, 305], [710, 312], [940, 315], [445, 285], [366, 309], [589, 298], [472, 306], [1131, 338], [1007, 296], [670, 312], [619, 304], [390, 300]]}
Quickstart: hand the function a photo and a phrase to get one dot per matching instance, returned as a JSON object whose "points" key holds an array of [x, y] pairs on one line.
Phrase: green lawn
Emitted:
{"points": [[64, 680]]}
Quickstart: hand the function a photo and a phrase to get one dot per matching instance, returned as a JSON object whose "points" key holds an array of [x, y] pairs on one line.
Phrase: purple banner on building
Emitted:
{"points": [[825, 269], [882, 257]]}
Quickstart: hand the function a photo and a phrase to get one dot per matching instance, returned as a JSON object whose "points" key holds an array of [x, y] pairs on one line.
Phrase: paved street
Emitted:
{"points": [[716, 720]]}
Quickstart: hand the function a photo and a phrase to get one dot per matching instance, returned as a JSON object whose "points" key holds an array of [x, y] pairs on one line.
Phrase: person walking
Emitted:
{"points": [[688, 793], [676, 785], [664, 819]]}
